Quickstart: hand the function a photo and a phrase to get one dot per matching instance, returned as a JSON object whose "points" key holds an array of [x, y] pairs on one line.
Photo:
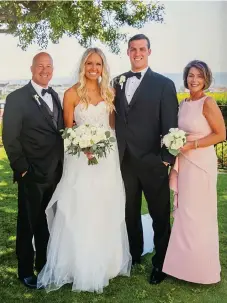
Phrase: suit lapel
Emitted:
{"points": [[123, 100], [39, 102], [58, 103], [140, 88], [121, 96]]}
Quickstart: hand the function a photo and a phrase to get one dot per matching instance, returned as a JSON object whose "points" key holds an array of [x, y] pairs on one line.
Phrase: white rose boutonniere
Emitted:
{"points": [[122, 80], [36, 97]]}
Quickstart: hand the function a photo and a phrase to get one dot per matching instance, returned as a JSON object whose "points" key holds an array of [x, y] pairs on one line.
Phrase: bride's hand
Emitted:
{"points": [[89, 155]]}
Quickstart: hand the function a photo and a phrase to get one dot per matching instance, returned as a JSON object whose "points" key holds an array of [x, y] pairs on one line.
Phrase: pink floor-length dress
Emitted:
{"points": [[193, 251]]}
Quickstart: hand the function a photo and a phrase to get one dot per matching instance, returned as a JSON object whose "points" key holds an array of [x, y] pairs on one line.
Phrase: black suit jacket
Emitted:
{"points": [[151, 113], [31, 140]]}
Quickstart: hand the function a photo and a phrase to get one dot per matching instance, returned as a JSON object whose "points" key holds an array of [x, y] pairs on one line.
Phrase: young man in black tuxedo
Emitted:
{"points": [[146, 108], [31, 136]]}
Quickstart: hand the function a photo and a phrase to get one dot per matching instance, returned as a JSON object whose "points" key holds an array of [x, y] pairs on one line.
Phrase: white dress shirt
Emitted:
{"points": [[47, 97], [132, 84]]}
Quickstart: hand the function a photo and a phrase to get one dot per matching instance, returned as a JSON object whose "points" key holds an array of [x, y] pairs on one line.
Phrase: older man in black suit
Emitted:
{"points": [[31, 136]]}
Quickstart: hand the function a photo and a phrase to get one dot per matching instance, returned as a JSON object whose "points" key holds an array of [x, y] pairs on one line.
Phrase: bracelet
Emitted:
{"points": [[196, 144]]}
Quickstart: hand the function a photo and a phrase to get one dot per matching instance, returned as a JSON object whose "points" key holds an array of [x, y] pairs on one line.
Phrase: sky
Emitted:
{"points": [[191, 30]]}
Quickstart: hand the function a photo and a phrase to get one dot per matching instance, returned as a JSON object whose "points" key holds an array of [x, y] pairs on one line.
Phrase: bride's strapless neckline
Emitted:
{"points": [[94, 105], [95, 114]]}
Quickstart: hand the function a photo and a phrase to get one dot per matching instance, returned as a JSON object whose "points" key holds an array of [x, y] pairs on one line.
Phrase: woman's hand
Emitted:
{"points": [[188, 145]]}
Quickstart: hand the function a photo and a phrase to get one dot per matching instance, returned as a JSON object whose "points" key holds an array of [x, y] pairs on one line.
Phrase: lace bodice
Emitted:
{"points": [[95, 114]]}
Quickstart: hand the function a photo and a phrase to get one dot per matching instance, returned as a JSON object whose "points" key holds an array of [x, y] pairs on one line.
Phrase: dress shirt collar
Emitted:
{"points": [[37, 87], [143, 71]]}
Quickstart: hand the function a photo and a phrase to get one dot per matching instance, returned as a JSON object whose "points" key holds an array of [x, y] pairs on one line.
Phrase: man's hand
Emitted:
{"points": [[24, 173], [166, 163]]}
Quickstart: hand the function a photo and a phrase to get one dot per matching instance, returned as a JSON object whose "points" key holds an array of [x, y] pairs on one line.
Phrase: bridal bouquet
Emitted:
{"points": [[93, 141], [174, 140]]}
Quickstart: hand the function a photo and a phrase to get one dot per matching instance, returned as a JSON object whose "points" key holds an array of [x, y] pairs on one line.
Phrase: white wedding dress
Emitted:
{"points": [[88, 243]]}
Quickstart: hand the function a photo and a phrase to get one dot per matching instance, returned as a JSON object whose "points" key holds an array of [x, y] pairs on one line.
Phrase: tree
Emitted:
{"points": [[41, 21]]}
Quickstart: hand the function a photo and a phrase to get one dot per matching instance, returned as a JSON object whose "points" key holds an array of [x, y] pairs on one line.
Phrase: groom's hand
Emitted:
{"points": [[166, 163]]}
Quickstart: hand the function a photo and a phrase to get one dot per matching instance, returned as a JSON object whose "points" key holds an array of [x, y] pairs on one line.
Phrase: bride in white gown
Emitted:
{"points": [[88, 243]]}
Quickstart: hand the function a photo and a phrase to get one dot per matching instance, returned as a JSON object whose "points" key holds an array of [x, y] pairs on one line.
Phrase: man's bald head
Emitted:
{"points": [[40, 55], [42, 69]]}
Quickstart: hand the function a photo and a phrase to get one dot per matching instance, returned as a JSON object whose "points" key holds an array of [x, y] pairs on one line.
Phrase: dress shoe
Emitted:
{"points": [[157, 276], [30, 282]]}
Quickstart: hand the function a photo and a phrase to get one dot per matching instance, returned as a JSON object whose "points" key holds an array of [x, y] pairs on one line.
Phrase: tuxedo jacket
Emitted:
{"points": [[31, 140], [141, 124]]}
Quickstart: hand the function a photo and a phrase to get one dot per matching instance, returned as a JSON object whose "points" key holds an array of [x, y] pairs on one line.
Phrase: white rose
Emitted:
{"points": [[182, 134], [73, 134], [75, 141], [80, 130], [83, 144], [173, 130], [171, 136], [176, 135], [96, 139], [100, 135], [177, 144], [93, 129], [173, 146], [167, 140], [87, 137]]}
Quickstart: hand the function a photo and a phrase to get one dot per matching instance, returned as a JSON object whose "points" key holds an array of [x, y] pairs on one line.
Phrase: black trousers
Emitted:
{"points": [[154, 182], [33, 198]]}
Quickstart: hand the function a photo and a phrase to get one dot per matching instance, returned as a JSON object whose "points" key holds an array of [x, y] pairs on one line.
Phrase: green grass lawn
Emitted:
{"points": [[121, 289]]}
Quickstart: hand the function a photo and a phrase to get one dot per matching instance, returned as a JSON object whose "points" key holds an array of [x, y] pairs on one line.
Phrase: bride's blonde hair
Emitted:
{"points": [[106, 91]]}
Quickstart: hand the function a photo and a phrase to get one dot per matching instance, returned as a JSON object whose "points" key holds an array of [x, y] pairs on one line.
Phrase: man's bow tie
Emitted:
{"points": [[44, 91], [131, 74]]}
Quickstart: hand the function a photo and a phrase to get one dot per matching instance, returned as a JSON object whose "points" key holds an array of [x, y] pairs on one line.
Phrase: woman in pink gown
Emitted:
{"points": [[193, 251]]}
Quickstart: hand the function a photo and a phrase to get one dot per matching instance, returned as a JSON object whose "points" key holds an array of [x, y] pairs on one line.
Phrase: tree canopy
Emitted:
{"points": [[43, 21]]}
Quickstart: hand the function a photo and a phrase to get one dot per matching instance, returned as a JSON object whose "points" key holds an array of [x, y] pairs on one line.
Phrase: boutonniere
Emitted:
{"points": [[36, 97], [122, 80]]}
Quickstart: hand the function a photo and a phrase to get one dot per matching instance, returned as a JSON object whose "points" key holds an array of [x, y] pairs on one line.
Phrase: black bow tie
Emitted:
{"points": [[131, 74], [44, 91]]}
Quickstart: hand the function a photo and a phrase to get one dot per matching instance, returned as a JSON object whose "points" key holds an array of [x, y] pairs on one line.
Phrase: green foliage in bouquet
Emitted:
{"points": [[96, 146]]}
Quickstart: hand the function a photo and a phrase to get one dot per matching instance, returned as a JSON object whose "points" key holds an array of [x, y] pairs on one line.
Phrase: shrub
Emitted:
{"points": [[221, 151]]}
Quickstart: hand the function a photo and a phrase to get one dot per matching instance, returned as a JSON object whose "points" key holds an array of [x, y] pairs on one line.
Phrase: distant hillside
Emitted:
{"points": [[219, 82]]}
